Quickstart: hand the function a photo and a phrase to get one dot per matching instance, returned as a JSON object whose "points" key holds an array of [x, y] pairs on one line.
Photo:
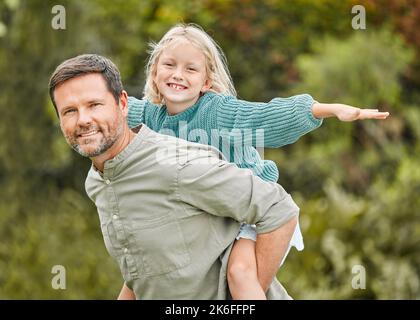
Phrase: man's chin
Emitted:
{"points": [[88, 152]]}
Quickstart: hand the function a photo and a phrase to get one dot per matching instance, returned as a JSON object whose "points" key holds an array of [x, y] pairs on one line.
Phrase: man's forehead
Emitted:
{"points": [[84, 87], [95, 80]]}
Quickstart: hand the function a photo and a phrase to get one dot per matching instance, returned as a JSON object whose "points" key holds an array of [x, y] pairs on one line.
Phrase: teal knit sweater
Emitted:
{"points": [[235, 127]]}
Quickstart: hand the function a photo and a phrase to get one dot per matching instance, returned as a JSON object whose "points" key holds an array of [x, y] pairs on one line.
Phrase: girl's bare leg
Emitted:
{"points": [[242, 272]]}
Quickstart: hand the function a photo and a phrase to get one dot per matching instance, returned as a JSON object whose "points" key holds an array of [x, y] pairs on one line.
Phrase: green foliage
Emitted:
{"points": [[362, 208], [363, 70], [64, 232], [357, 183]]}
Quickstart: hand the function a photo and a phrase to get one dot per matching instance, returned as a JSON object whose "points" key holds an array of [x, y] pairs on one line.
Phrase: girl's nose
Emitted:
{"points": [[178, 74]]}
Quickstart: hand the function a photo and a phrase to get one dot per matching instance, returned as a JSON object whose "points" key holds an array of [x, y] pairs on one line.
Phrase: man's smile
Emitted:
{"points": [[87, 134]]}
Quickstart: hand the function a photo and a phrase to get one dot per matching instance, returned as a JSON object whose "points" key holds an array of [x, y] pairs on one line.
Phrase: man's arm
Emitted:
{"points": [[222, 189], [126, 293]]}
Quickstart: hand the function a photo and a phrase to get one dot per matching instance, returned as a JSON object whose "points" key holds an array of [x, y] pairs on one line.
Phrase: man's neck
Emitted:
{"points": [[117, 147]]}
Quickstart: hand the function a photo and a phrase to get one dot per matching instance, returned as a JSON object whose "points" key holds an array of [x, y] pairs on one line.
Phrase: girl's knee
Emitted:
{"points": [[241, 270]]}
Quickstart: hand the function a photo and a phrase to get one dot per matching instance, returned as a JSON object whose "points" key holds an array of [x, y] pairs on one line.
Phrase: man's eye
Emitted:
{"points": [[95, 104], [68, 111]]}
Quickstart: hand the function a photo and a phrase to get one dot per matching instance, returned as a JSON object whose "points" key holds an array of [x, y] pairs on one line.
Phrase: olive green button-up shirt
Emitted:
{"points": [[170, 211]]}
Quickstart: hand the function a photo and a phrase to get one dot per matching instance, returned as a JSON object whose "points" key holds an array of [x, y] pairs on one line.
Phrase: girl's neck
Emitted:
{"points": [[176, 108]]}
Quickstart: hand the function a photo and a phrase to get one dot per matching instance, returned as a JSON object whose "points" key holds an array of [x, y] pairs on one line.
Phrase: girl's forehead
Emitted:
{"points": [[184, 48], [180, 41]]}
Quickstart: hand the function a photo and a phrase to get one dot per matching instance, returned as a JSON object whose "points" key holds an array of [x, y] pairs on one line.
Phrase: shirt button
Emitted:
{"points": [[125, 250], [107, 181], [115, 217]]}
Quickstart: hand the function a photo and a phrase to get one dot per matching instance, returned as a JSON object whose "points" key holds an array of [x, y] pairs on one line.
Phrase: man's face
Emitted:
{"points": [[90, 118]]}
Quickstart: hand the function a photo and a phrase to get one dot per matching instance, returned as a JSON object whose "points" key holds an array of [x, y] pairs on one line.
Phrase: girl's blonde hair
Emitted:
{"points": [[216, 63]]}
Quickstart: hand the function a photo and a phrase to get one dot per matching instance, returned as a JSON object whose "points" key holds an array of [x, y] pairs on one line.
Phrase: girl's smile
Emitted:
{"points": [[176, 86]]}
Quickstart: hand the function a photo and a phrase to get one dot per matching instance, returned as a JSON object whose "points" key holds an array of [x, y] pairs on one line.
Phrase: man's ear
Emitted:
{"points": [[123, 103]]}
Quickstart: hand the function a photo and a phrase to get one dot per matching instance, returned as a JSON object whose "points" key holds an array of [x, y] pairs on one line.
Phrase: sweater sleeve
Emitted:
{"points": [[283, 120], [220, 188], [135, 112]]}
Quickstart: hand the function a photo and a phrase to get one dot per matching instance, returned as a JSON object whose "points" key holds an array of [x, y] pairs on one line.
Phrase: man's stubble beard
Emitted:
{"points": [[104, 144]]}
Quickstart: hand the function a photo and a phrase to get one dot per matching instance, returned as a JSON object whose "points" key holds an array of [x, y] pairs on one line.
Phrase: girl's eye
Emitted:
{"points": [[191, 69], [168, 64]]}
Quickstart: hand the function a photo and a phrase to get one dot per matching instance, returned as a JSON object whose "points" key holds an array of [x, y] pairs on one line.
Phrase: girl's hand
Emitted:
{"points": [[345, 113], [348, 113]]}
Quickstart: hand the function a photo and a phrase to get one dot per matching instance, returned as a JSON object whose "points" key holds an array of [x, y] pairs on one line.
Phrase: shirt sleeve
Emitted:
{"points": [[283, 120], [221, 188], [135, 111]]}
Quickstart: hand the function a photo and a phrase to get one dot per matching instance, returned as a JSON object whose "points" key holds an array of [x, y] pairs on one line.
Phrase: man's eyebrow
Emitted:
{"points": [[95, 101]]}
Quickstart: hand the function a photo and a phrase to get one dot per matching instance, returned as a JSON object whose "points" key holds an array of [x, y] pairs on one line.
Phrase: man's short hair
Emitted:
{"points": [[85, 64]]}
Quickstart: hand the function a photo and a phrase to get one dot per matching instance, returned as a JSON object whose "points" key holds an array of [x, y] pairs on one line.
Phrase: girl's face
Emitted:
{"points": [[181, 76]]}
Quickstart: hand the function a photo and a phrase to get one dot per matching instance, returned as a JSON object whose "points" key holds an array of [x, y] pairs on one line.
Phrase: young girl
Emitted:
{"points": [[188, 88]]}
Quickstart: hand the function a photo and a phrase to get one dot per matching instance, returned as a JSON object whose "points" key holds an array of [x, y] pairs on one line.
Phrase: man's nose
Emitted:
{"points": [[85, 117]]}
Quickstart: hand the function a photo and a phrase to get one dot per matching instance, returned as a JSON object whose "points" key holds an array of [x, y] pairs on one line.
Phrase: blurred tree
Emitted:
{"points": [[356, 212], [404, 18], [40, 212], [262, 38], [362, 71], [357, 183]]}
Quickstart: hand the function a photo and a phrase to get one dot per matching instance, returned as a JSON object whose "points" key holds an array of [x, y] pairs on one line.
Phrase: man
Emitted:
{"points": [[169, 221]]}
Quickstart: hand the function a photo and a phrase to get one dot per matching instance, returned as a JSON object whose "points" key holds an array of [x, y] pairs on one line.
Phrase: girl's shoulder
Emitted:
{"points": [[139, 104], [142, 110], [150, 105], [208, 109], [214, 99]]}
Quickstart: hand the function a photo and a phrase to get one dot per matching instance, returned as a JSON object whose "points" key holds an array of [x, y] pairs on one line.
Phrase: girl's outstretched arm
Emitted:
{"points": [[285, 120], [281, 120]]}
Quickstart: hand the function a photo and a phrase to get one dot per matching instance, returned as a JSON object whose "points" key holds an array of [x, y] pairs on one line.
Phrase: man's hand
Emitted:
{"points": [[345, 112]]}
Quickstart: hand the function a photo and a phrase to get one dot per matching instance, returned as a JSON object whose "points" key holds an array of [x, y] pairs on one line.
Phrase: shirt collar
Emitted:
{"points": [[142, 131]]}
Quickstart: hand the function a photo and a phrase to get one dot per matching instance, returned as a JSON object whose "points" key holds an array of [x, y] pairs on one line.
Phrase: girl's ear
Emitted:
{"points": [[207, 85]]}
